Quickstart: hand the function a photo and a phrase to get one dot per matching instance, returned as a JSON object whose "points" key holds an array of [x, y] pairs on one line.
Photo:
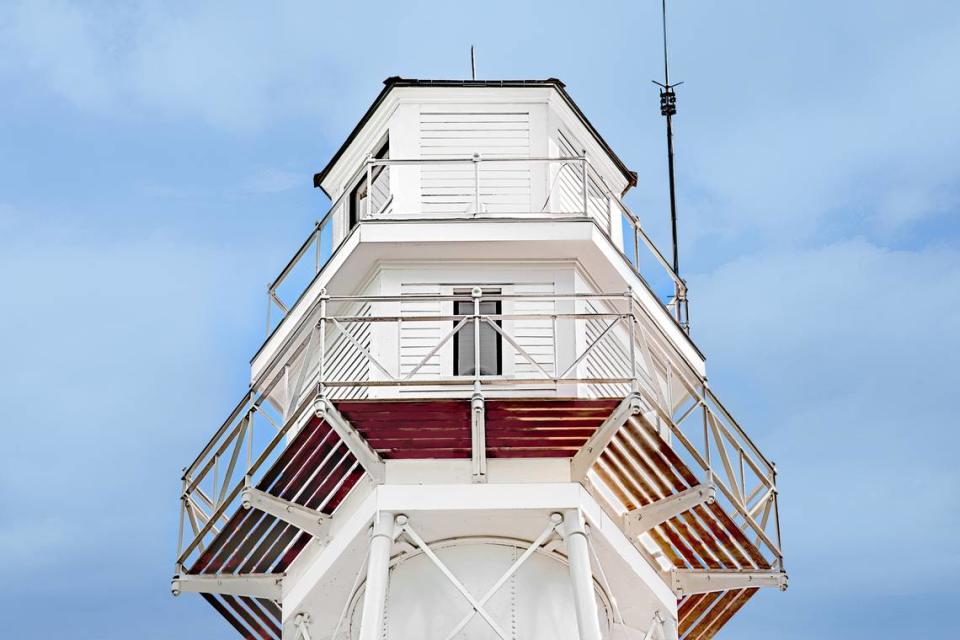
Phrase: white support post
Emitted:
{"points": [[647, 517], [368, 458], [378, 575], [253, 585], [591, 450], [478, 438], [581, 576], [304, 518], [687, 582]]}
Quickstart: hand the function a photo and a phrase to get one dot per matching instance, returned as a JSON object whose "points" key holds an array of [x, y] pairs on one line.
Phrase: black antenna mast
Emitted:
{"points": [[668, 108]]}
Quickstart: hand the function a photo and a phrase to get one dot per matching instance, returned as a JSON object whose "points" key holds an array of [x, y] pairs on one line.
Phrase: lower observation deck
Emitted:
{"points": [[638, 426]]}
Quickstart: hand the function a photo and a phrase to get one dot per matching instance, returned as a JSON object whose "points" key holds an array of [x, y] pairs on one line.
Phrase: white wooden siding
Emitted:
{"points": [[566, 192], [344, 360], [417, 339], [535, 336], [610, 357], [446, 134]]}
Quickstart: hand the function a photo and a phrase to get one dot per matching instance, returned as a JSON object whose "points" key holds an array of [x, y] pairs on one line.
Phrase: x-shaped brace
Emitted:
{"points": [[478, 605]]}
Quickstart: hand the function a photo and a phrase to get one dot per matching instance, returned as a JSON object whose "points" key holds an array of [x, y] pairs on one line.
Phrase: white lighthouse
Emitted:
{"points": [[478, 412]]}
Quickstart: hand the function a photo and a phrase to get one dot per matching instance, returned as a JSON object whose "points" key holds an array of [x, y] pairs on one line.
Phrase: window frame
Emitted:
{"points": [[353, 205], [498, 310]]}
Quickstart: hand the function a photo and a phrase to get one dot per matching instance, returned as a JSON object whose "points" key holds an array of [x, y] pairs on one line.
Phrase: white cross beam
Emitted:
{"points": [[478, 605]]}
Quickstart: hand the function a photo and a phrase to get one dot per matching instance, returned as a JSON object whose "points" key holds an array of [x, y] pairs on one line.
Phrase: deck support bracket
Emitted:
{"points": [[253, 585], [478, 438], [304, 518], [687, 582], [645, 518], [591, 450], [369, 459]]}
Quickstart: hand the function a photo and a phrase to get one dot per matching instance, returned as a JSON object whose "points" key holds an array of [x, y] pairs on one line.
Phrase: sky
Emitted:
{"points": [[156, 165]]}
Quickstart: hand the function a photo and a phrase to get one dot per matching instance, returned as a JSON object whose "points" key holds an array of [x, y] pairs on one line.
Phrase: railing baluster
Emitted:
{"points": [[583, 171], [317, 254], [476, 184], [556, 340]]}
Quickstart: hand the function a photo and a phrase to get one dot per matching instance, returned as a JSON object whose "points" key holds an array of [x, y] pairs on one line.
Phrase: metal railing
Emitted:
{"points": [[480, 187], [576, 345], [238, 455]]}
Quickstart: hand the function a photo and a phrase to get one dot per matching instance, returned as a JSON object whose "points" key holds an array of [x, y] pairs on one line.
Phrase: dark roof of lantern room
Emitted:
{"points": [[396, 81]]}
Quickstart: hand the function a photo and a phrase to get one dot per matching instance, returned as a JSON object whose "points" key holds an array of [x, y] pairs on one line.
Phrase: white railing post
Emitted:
{"points": [[476, 184], [632, 318], [476, 293], [636, 245], [369, 184], [269, 305], [318, 257], [322, 342], [583, 171]]}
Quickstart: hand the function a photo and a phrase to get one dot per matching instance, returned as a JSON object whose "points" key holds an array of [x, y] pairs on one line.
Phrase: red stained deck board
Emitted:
{"points": [[426, 429]]}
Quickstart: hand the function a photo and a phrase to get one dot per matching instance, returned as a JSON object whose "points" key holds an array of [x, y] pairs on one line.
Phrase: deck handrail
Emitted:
{"points": [[599, 203]]}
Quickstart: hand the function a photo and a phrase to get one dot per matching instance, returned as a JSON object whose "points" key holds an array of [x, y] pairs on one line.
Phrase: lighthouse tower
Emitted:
{"points": [[478, 411]]}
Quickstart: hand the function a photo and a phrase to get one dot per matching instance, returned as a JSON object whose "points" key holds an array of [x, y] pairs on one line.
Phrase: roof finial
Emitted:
{"points": [[473, 63]]}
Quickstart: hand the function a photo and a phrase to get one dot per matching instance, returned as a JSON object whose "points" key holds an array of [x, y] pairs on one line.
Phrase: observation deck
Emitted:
{"points": [[361, 374]]}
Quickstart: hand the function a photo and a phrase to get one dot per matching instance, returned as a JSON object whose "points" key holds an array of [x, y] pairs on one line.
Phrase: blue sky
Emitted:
{"points": [[155, 173]]}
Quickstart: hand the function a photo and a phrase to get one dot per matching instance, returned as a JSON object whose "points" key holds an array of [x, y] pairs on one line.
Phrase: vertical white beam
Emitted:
{"points": [[478, 438], [378, 573], [581, 576]]}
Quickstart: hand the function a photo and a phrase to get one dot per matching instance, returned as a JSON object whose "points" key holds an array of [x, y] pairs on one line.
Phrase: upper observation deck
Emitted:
{"points": [[486, 170]]}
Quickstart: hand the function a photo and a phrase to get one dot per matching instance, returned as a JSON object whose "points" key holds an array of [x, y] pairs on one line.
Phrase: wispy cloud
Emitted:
{"points": [[178, 60]]}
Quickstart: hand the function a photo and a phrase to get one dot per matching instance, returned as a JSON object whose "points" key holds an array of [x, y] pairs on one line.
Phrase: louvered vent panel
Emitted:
{"points": [[504, 187]]}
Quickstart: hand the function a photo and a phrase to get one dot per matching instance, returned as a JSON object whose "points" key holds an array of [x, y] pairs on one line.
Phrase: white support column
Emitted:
{"points": [[378, 574], [581, 576], [478, 438]]}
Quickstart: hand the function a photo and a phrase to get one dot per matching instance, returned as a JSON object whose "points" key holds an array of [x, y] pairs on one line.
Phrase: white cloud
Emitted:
{"points": [[235, 66]]}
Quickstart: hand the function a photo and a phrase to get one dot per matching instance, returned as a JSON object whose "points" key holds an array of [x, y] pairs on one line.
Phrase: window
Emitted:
{"points": [[358, 195], [491, 347]]}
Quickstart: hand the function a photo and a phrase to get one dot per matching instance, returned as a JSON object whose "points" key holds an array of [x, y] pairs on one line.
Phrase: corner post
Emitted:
{"points": [[583, 168], [476, 184], [369, 198], [581, 576], [476, 293], [322, 342], [378, 575]]}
